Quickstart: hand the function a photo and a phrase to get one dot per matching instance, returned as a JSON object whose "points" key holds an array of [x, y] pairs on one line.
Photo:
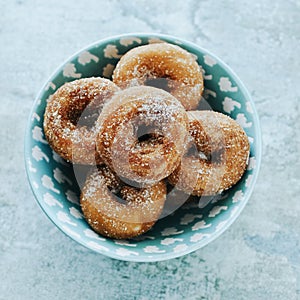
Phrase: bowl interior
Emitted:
{"points": [[190, 227]]}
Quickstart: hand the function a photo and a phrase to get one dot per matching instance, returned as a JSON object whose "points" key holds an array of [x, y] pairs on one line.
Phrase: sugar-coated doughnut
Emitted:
{"points": [[145, 65], [142, 134], [218, 159], [70, 116], [117, 210]]}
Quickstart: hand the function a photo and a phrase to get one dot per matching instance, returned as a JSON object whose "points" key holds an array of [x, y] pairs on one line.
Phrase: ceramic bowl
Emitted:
{"points": [[192, 226]]}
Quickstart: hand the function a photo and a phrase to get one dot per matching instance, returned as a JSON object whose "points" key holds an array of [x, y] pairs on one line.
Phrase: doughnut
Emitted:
{"points": [[70, 115], [117, 210], [217, 155], [142, 134], [162, 65]]}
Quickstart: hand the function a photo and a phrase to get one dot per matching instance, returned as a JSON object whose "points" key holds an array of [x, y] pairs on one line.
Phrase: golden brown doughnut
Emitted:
{"points": [[143, 64], [142, 134], [119, 211], [220, 158], [67, 116]]}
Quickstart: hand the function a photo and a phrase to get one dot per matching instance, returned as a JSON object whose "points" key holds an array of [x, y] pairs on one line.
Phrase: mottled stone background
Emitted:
{"points": [[259, 256]]}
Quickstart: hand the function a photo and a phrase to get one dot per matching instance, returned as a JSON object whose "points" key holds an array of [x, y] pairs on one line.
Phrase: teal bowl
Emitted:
{"points": [[193, 225]]}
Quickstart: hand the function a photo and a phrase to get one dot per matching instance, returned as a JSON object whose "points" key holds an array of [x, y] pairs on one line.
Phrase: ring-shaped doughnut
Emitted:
{"points": [[218, 159], [142, 134], [164, 65], [70, 116], [117, 210]]}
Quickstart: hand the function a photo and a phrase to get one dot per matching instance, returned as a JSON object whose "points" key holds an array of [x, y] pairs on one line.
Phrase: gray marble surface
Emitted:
{"points": [[259, 256]]}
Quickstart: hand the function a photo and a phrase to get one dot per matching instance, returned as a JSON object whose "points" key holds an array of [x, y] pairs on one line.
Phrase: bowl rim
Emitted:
{"points": [[247, 194]]}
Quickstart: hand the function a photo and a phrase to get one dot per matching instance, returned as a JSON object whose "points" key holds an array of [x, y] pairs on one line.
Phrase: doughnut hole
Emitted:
{"points": [[160, 83]]}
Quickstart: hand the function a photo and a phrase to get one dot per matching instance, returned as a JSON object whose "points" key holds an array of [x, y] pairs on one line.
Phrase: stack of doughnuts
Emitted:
{"points": [[140, 132]]}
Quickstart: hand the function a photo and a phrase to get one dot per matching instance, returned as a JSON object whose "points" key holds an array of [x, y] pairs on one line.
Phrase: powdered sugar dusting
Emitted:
{"points": [[70, 106], [121, 209], [139, 111], [179, 67]]}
